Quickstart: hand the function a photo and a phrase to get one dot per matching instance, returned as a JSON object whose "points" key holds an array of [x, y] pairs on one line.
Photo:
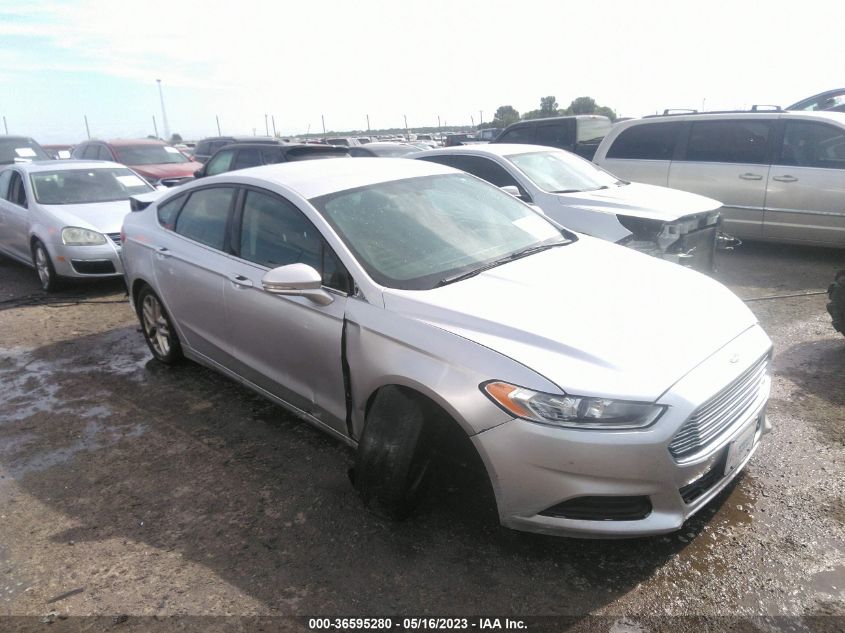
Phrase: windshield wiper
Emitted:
{"points": [[525, 252], [566, 191]]}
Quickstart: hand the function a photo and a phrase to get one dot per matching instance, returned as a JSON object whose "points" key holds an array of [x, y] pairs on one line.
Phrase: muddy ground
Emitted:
{"points": [[131, 489]]}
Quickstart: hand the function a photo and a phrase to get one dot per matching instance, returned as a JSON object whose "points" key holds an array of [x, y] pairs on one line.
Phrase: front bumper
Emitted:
{"points": [[87, 262], [534, 468]]}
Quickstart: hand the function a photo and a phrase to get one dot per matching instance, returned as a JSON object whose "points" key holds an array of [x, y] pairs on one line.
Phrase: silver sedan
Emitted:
{"points": [[406, 308], [64, 217]]}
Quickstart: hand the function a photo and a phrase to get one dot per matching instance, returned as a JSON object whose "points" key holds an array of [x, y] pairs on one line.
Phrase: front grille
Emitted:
{"points": [[114, 237], [93, 266], [718, 414], [694, 490], [601, 509]]}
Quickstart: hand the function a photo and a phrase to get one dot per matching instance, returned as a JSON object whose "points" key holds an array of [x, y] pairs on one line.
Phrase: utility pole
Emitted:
{"points": [[253, 132], [5, 126], [472, 118], [368, 123], [163, 113], [87, 130], [407, 131], [217, 118], [155, 127], [273, 119], [480, 118], [266, 125], [323, 119]]}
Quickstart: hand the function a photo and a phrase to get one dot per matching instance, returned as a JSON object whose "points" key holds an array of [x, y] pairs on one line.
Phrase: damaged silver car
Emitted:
{"points": [[674, 225], [394, 303]]}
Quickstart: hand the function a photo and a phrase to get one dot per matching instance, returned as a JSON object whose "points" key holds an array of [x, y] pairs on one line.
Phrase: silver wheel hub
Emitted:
{"points": [[155, 325]]}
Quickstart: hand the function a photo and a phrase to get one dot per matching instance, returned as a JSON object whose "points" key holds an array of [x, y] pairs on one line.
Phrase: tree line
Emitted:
{"points": [[506, 114]]}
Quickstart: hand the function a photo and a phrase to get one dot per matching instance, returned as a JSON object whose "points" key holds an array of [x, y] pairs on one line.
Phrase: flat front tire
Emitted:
{"points": [[157, 328], [392, 466]]}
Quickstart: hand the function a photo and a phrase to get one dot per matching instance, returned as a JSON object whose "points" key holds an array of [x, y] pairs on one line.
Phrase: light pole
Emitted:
{"points": [[480, 118], [163, 113]]}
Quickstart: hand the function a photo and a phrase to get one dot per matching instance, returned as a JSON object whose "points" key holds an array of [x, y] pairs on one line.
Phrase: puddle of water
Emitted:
{"points": [[830, 582]]}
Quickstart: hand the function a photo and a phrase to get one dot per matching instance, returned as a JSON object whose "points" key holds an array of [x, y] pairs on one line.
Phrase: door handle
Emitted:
{"points": [[163, 251], [240, 280], [785, 178], [750, 176]]}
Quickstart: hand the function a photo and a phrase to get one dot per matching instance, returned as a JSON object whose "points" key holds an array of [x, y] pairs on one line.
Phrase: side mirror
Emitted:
{"points": [[297, 280], [199, 172], [512, 189]]}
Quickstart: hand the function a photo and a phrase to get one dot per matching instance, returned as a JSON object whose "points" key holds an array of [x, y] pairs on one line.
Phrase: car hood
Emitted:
{"points": [[594, 318], [103, 217], [641, 201], [168, 170]]}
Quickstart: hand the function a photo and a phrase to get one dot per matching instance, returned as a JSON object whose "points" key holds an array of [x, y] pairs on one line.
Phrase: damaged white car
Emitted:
{"points": [[674, 225], [395, 303]]}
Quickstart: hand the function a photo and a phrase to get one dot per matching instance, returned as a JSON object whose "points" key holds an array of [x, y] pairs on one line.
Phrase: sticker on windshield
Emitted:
{"points": [[171, 150], [130, 181], [25, 152], [535, 225]]}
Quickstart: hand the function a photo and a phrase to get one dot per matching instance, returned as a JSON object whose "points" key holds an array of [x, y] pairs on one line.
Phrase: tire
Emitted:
{"points": [[157, 328], [836, 306], [50, 281], [393, 463]]}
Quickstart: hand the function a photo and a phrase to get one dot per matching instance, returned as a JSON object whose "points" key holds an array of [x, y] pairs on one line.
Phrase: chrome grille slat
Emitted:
{"points": [[717, 414]]}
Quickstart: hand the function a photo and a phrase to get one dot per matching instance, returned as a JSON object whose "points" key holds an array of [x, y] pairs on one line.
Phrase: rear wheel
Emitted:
{"points": [[392, 466], [44, 266], [157, 328], [836, 307]]}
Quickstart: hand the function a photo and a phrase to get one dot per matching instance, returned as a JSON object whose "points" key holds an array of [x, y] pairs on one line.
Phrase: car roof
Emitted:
{"points": [[244, 138], [835, 117], [311, 179], [15, 137], [124, 142], [492, 149], [63, 165], [529, 122]]}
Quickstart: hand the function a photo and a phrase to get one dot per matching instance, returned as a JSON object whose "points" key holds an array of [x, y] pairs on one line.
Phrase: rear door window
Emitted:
{"points": [[560, 134], [271, 155], [17, 193], [652, 141], [247, 157], [738, 141], [810, 144], [205, 216], [5, 179]]}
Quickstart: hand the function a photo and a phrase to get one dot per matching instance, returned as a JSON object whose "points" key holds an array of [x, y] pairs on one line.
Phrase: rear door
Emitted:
{"points": [[190, 266], [287, 345], [806, 191], [728, 159]]}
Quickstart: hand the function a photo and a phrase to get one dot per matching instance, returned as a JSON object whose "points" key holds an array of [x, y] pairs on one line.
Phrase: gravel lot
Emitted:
{"points": [[130, 488]]}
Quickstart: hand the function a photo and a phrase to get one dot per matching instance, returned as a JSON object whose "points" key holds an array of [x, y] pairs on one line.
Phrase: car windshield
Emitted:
{"points": [[593, 129], [149, 155], [20, 150], [395, 151], [79, 186], [417, 233], [562, 172]]}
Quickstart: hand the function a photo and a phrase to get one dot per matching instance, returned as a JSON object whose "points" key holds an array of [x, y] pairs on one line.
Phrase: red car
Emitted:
{"points": [[158, 162]]}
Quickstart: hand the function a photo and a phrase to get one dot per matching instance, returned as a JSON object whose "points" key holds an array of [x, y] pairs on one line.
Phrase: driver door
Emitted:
{"points": [[286, 345]]}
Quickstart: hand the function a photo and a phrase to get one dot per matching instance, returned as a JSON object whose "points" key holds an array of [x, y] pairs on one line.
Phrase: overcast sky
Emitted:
{"points": [[346, 59]]}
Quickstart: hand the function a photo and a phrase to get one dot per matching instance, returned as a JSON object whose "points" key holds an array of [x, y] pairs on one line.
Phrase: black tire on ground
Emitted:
{"points": [[836, 306], [392, 466], [157, 328], [50, 281]]}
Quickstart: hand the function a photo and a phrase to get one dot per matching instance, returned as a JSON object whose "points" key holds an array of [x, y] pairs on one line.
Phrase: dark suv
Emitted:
{"points": [[580, 133], [243, 155], [207, 146]]}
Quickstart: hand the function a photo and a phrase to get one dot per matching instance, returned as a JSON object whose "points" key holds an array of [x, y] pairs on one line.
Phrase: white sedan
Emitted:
{"points": [[64, 217], [674, 225]]}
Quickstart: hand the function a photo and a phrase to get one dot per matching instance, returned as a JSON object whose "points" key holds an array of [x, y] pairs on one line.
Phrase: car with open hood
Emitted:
{"points": [[674, 225], [63, 217], [394, 303]]}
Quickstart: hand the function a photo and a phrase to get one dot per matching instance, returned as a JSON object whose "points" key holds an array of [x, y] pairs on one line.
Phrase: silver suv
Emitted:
{"points": [[779, 175]]}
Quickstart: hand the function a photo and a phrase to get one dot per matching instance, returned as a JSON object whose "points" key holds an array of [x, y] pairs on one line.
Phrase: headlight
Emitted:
{"points": [[574, 412], [74, 236]]}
